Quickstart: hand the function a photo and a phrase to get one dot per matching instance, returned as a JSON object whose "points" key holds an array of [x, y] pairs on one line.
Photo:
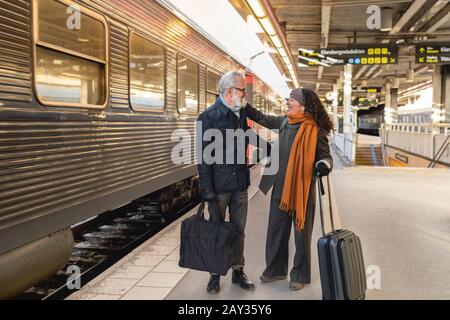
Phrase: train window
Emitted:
{"points": [[212, 87], [188, 91], [257, 101], [66, 79], [147, 74], [264, 104], [70, 66]]}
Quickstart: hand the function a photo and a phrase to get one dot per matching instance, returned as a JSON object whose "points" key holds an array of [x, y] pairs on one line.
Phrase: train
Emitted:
{"points": [[90, 93], [370, 121], [422, 115]]}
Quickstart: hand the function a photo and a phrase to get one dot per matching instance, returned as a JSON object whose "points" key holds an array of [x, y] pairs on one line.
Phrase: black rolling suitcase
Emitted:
{"points": [[342, 271]]}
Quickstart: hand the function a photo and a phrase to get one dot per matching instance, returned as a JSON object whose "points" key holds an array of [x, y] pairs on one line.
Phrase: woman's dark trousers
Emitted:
{"points": [[277, 243]]}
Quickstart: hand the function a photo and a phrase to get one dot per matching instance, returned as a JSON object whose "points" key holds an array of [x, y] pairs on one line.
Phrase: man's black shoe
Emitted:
{"points": [[240, 278], [213, 284]]}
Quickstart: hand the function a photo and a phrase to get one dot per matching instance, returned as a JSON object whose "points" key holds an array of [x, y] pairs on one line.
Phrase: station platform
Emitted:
{"points": [[400, 214]]}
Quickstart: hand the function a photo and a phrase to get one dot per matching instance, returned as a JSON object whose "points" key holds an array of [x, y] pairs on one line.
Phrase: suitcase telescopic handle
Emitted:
{"points": [[321, 193]]}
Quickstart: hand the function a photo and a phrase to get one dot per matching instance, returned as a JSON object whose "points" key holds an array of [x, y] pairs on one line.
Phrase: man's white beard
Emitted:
{"points": [[238, 103]]}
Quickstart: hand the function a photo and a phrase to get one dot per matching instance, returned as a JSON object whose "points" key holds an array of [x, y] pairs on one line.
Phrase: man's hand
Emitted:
{"points": [[321, 169]]}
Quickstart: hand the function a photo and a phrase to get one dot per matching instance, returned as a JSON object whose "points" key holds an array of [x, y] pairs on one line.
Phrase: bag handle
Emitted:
{"points": [[201, 212], [321, 193]]}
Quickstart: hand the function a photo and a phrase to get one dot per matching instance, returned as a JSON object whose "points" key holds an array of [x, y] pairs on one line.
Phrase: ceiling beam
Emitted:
{"points": [[421, 14], [437, 21], [326, 18], [410, 12], [314, 81], [306, 4], [317, 87], [360, 72], [376, 74], [371, 70]]}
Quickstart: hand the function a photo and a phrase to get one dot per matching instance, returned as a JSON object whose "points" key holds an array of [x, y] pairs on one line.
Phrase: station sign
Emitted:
{"points": [[433, 54], [376, 54], [401, 157], [363, 103], [367, 90]]}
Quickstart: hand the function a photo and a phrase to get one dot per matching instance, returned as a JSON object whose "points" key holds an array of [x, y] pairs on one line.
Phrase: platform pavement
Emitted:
{"points": [[402, 216]]}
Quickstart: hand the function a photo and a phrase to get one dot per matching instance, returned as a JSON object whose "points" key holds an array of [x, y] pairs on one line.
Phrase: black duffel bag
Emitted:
{"points": [[208, 245]]}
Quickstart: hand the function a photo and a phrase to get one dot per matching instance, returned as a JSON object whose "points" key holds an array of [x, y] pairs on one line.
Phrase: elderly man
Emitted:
{"points": [[224, 185]]}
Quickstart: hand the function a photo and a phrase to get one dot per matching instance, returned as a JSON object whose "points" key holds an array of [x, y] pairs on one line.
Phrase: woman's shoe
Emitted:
{"points": [[266, 279], [213, 284], [294, 286]]}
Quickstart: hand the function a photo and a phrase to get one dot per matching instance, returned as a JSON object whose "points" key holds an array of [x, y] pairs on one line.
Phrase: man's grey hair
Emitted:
{"points": [[229, 80]]}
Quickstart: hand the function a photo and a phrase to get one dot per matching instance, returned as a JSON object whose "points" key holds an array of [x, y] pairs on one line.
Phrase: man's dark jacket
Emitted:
{"points": [[222, 178]]}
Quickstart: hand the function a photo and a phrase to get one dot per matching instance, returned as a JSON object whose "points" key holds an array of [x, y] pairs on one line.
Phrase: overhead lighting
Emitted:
{"points": [[376, 74], [306, 50], [254, 24], [315, 61], [276, 41], [261, 14], [267, 25], [287, 62], [422, 69], [282, 52], [371, 70], [439, 23], [360, 72], [364, 83], [257, 9], [286, 78], [331, 59], [268, 48]]}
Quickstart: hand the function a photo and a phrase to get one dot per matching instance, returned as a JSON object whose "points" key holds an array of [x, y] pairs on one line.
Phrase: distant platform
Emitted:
{"points": [[364, 139]]}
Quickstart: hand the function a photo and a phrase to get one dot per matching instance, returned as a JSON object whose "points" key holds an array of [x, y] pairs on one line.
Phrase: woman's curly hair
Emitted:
{"points": [[315, 108]]}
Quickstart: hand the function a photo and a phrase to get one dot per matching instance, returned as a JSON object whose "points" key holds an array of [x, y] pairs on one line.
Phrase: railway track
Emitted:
{"points": [[104, 240]]}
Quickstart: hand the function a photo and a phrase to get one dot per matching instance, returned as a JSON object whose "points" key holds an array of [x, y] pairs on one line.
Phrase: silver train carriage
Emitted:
{"points": [[90, 93]]}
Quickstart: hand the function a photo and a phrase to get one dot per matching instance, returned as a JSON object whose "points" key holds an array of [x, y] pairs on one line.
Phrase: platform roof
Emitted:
{"points": [[313, 24]]}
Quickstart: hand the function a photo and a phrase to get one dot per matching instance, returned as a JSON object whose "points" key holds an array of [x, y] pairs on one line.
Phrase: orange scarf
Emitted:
{"points": [[299, 171]]}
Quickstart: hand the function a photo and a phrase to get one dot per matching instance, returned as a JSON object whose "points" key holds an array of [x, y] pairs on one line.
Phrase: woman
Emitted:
{"points": [[304, 154]]}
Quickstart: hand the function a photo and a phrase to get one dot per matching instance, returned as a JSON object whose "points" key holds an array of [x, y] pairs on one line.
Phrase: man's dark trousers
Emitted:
{"points": [[237, 203]]}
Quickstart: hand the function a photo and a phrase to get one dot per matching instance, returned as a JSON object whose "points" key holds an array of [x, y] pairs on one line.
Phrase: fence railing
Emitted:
{"points": [[440, 153], [422, 139], [442, 128]]}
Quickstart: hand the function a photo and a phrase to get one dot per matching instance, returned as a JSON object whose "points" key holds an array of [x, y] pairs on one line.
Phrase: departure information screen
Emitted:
{"points": [[363, 55], [433, 54]]}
